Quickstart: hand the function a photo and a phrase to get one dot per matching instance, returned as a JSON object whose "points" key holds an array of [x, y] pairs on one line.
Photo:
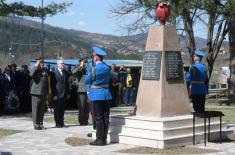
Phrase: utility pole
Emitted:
{"points": [[42, 17]]}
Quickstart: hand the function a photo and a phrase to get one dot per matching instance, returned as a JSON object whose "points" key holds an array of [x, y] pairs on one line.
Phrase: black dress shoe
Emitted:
{"points": [[98, 142], [58, 126], [83, 123], [89, 134], [63, 126], [42, 127], [37, 128]]}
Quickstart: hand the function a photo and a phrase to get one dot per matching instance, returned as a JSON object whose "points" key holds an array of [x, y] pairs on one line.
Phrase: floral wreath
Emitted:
{"points": [[12, 101]]}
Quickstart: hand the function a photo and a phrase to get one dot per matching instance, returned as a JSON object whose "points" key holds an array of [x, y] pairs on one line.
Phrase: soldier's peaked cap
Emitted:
{"points": [[83, 59], [99, 51], [199, 53], [40, 59]]}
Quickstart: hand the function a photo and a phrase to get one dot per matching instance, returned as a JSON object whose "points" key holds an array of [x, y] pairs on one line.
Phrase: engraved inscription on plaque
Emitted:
{"points": [[174, 68], [151, 65]]}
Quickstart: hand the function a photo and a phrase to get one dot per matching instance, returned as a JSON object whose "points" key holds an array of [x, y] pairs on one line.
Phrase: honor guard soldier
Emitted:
{"points": [[98, 78], [198, 82], [39, 92]]}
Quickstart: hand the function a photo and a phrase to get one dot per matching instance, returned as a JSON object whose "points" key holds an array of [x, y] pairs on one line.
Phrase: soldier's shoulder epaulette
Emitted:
{"points": [[193, 67], [92, 70], [106, 65], [204, 65]]}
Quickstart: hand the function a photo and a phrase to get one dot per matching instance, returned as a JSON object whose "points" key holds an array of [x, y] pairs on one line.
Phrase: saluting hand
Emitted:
{"points": [[82, 64], [37, 64]]}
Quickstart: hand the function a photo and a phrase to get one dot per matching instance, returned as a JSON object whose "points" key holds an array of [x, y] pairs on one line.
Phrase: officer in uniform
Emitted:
{"points": [[199, 82], [83, 107], [98, 78], [39, 92]]}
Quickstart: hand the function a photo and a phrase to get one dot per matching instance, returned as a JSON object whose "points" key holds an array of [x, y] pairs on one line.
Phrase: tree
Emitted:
{"points": [[232, 53], [186, 14], [21, 9]]}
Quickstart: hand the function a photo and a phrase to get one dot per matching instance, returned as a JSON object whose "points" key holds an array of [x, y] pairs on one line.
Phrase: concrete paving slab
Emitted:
{"points": [[51, 141]]}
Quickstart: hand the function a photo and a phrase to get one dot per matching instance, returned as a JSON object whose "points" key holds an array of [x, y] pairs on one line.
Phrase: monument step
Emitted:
{"points": [[160, 134], [158, 124], [166, 143]]}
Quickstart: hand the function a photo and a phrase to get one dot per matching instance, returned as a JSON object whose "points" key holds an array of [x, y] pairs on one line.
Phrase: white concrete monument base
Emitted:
{"points": [[160, 132]]}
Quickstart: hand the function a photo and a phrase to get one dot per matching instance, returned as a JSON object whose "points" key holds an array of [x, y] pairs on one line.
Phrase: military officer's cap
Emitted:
{"points": [[84, 59], [199, 53], [98, 51], [40, 59], [14, 65]]}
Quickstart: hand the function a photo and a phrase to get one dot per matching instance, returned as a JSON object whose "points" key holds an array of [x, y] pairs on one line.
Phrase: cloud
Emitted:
{"points": [[69, 13], [82, 24], [82, 14]]}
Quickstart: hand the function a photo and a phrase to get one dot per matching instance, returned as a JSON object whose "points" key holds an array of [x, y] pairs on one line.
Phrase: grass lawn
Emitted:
{"points": [[228, 112], [6, 132], [68, 118], [71, 117]]}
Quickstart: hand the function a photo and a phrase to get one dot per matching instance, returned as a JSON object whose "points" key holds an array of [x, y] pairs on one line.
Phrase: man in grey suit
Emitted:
{"points": [[38, 91], [83, 106], [60, 91]]}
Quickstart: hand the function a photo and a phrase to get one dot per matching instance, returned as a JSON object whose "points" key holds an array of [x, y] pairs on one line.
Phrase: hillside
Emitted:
{"points": [[72, 43]]}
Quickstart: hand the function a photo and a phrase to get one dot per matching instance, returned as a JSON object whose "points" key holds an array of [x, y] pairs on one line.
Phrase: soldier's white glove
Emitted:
{"points": [[54, 97]]}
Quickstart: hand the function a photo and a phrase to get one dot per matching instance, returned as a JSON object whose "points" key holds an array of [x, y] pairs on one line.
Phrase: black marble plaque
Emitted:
{"points": [[174, 66], [151, 65]]}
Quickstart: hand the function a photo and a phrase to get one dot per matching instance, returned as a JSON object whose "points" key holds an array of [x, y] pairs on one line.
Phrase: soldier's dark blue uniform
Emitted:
{"points": [[198, 82], [99, 94]]}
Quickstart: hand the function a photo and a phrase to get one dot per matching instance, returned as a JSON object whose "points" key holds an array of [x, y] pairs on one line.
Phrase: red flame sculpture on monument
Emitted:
{"points": [[162, 12]]}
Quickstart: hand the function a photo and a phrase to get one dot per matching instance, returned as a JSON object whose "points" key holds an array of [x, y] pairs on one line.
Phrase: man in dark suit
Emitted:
{"points": [[7, 82], [39, 92], [114, 85], [7, 87], [60, 91]]}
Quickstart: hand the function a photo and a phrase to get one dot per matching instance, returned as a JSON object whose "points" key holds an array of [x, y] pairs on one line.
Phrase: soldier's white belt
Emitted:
{"points": [[99, 86]]}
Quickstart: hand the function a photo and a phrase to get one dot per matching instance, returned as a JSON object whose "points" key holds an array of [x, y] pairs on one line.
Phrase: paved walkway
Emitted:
{"points": [[51, 140]]}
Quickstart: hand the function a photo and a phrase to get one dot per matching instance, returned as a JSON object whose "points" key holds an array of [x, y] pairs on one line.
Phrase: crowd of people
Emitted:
{"points": [[44, 88], [15, 89], [15, 84]]}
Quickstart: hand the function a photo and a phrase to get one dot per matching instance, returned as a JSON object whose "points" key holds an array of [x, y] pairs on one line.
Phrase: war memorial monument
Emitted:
{"points": [[163, 118]]}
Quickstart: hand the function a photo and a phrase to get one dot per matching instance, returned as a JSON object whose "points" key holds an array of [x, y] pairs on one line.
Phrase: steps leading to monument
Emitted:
{"points": [[170, 123], [167, 143], [160, 132]]}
